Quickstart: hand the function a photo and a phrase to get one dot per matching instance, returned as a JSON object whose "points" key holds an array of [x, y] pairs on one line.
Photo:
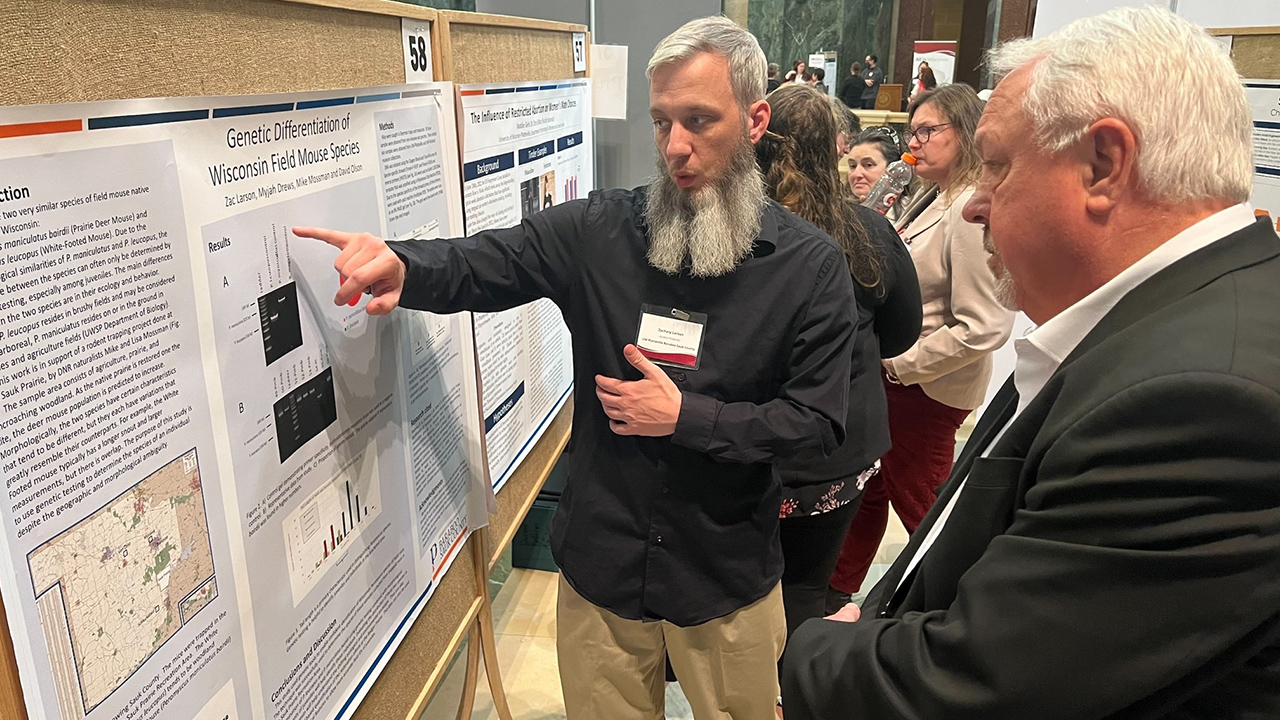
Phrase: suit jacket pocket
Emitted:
{"points": [[983, 510]]}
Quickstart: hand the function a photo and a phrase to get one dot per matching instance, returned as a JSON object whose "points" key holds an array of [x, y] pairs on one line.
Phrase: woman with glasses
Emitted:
{"points": [[933, 386], [869, 157], [799, 161]]}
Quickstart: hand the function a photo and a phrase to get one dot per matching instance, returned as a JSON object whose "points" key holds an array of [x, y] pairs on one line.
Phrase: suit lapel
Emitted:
{"points": [[998, 414], [930, 216]]}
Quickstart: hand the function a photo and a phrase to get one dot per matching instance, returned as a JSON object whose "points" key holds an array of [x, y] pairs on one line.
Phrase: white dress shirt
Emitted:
{"points": [[1044, 348]]}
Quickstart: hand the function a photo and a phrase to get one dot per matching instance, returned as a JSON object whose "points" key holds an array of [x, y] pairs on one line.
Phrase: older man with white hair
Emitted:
{"points": [[713, 332], [1108, 545]]}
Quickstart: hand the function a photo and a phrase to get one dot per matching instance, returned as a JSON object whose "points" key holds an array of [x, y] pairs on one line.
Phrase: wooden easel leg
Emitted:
{"points": [[468, 701], [484, 624], [489, 646]]}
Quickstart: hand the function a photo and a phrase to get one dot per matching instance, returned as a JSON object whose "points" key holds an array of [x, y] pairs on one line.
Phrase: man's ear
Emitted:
{"points": [[758, 119], [1109, 150]]}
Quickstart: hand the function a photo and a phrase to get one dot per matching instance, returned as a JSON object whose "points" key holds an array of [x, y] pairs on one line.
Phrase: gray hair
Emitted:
{"points": [[1165, 77], [723, 37]]}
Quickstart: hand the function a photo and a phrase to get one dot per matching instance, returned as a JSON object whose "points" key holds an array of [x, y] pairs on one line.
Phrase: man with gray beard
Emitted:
{"points": [[711, 230], [667, 532]]}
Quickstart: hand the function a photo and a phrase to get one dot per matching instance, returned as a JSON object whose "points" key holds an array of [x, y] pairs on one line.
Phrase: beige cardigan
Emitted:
{"points": [[963, 322]]}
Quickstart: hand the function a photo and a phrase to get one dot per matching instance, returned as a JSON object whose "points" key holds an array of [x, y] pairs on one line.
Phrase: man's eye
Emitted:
{"points": [[661, 124], [699, 120]]}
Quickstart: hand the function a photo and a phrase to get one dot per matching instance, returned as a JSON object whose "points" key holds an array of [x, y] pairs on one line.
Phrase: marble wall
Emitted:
{"points": [[791, 29]]}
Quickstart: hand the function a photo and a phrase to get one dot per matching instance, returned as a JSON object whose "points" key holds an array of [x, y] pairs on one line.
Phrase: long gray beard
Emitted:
{"points": [[711, 231]]}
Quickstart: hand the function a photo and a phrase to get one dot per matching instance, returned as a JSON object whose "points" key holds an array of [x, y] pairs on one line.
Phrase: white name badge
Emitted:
{"points": [[671, 337]]}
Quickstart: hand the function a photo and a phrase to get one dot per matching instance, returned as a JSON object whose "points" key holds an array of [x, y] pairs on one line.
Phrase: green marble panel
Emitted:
{"points": [[469, 5], [791, 29]]}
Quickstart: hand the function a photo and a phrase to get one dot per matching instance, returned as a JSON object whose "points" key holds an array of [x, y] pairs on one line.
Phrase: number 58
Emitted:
{"points": [[418, 53]]}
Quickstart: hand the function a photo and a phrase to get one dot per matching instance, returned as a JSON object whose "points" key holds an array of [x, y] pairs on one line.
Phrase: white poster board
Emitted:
{"points": [[227, 497], [819, 60], [1264, 99], [609, 82], [526, 147], [1235, 13]]}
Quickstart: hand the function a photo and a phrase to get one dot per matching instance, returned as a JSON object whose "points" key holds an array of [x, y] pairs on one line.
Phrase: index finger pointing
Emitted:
{"points": [[336, 238]]}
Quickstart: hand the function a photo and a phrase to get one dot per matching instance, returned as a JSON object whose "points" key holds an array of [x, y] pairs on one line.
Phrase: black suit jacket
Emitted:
{"points": [[1117, 553]]}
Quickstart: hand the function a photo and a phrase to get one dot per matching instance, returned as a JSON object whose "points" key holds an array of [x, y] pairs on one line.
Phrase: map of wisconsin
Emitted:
{"points": [[114, 587]]}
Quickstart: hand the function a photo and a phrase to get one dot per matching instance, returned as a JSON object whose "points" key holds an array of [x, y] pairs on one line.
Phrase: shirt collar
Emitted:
{"points": [[1044, 348]]}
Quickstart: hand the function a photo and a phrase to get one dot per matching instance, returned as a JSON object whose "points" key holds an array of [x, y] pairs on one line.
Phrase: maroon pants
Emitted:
{"points": [[923, 431]]}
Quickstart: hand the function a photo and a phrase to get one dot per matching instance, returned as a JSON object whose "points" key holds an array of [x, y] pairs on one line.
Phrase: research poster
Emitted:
{"points": [[1264, 98], [226, 498], [526, 147]]}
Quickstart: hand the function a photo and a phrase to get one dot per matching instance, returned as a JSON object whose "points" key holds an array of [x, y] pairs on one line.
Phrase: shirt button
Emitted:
{"points": [[659, 540], [666, 490], [680, 377]]}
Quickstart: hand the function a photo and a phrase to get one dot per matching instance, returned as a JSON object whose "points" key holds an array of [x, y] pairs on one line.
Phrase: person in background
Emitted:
{"points": [[1108, 546], [797, 71], [819, 497], [872, 76], [817, 77], [852, 87], [848, 125], [924, 80], [872, 151], [934, 385], [667, 532], [772, 82]]}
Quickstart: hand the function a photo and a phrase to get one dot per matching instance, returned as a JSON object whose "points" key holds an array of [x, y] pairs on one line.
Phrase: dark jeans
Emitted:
{"points": [[810, 546], [869, 103]]}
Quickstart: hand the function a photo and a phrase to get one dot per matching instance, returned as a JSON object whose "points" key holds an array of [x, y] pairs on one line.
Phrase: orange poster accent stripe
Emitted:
{"points": [[41, 128], [461, 536], [469, 93]]}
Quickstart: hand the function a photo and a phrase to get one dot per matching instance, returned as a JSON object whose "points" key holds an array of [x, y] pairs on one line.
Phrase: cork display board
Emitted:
{"points": [[64, 51], [1256, 51]]}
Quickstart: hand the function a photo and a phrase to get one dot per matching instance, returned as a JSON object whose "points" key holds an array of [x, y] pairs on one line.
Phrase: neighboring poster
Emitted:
{"points": [[226, 497], [1264, 98], [830, 75], [526, 147], [941, 56]]}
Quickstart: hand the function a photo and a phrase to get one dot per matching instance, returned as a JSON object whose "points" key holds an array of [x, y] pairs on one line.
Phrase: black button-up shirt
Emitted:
{"points": [[681, 528]]}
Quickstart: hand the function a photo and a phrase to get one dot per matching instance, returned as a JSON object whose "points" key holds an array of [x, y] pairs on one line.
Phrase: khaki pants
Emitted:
{"points": [[612, 668]]}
